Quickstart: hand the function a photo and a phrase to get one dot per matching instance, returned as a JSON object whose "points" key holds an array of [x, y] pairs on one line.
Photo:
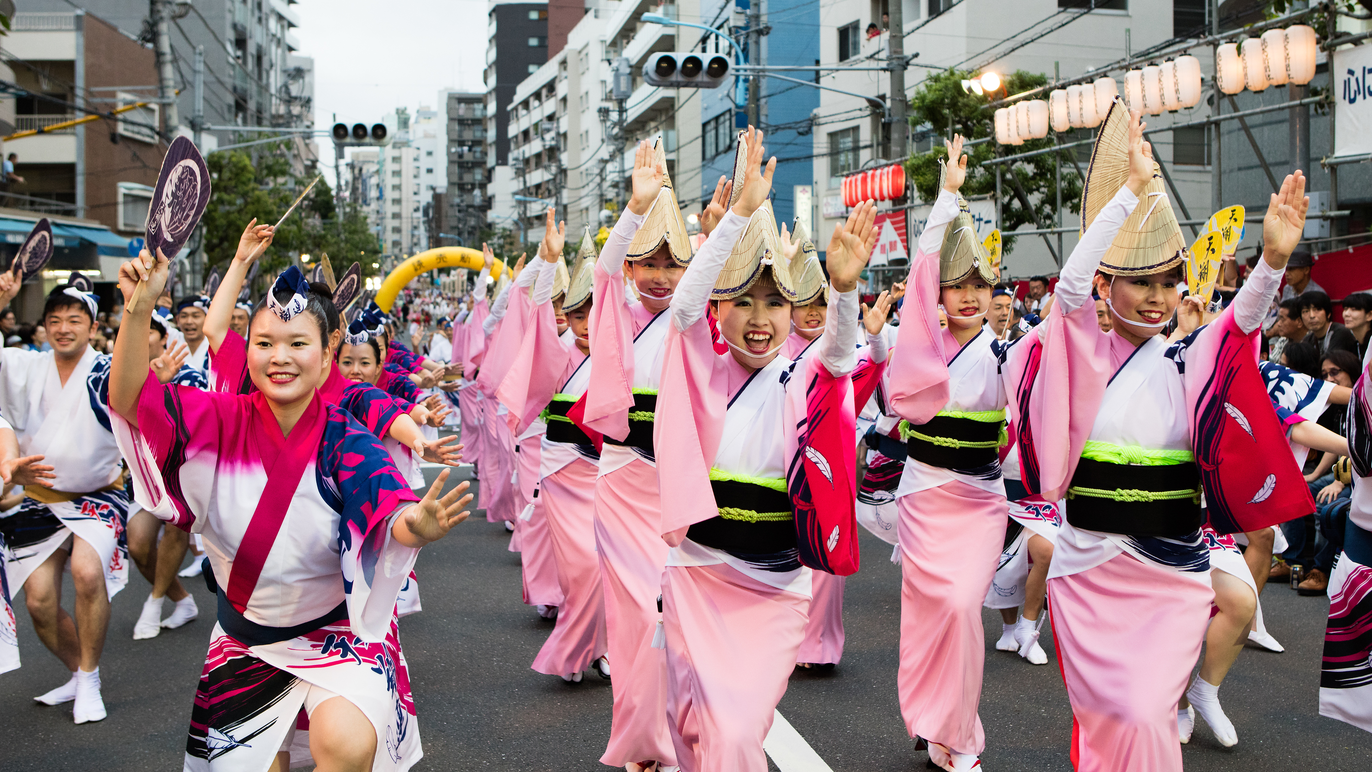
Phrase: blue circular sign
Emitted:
{"points": [[135, 246]]}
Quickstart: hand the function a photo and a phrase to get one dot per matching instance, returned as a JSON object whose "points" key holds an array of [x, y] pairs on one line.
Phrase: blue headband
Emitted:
{"points": [[357, 333], [293, 281], [201, 302], [997, 293], [89, 298]]}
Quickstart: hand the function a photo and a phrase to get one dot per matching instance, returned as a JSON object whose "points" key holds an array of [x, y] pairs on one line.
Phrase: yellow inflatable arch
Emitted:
{"points": [[443, 257]]}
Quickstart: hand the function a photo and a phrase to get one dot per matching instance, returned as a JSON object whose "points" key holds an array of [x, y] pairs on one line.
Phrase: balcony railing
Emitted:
{"points": [[36, 122]]}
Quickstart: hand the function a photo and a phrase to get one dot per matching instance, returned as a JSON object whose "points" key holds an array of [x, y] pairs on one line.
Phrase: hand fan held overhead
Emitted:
{"points": [[35, 252], [178, 201]]}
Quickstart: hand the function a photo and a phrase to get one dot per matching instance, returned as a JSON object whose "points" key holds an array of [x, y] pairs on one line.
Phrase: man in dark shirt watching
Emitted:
{"points": [[1317, 313]]}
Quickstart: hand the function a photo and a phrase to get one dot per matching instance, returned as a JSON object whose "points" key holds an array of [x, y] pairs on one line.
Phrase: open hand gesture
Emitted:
{"points": [[432, 518], [851, 246], [788, 249], [9, 286], [647, 179], [1140, 156], [254, 242], [874, 318], [711, 215], [488, 255], [26, 471], [757, 182], [518, 266], [956, 164], [169, 364], [554, 237], [1284, 222], [441, 451]]}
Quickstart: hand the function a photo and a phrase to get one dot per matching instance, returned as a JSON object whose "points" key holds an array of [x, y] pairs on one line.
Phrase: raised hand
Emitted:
{"points": [[9, 287], [1284, 222], [143, 269], [441, 451], [897, 292], [518, 266], [1190, 316], [554, 237], [874, 318], [757, 182], [647, 179], [1140, 156], [26, 471], [956, 164], [788, 249], [254, 242], [851, 246], [433, 517], [710, 216], [488, 255], [438, 415], [166, 366]]}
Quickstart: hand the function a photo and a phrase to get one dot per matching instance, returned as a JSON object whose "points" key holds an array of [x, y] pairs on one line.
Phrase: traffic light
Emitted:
{"points": [[359, 134], [677, 69]]}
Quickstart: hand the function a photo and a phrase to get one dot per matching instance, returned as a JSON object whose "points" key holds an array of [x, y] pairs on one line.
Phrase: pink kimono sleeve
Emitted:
{"points": [[229, 366], [611, 394], [691, 403], [474, 347], [821, 474], [919, 374], [535, 372], [173, 452], [505, 342]]}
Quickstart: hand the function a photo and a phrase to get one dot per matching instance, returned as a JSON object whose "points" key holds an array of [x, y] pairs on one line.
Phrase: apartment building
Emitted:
{"points": [[463, 206]]}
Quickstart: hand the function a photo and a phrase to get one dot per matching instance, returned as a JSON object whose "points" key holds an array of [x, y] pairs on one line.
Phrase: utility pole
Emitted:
{"points": [[1300, 116], [166, 84], [1216, 178], [899, 123], [754, 58], [198, 120]]}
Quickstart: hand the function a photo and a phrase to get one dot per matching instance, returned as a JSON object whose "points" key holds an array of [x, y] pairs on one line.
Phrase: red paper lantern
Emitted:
{"points": [[884, 184]]}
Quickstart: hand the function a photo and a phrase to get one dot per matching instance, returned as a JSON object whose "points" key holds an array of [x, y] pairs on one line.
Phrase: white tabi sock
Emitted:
{"points": [[1206, 700], [149, 622], [1027, 641], [89, 705], [1186, 723], [64, 693], [185, 611], [1007, 638]]}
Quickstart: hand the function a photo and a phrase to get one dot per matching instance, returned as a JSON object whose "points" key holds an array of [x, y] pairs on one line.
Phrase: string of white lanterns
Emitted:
{"points": [[1275, 58]]}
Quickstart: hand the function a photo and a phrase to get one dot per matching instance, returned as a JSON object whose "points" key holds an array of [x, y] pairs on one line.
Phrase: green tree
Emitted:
{"points": [[1029, 187], [262, 184]]}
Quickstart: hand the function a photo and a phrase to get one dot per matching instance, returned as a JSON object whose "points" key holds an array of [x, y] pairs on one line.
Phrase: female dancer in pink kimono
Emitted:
{"points": [[1128, 430], [307, 602], [736, 445], [551, 376], [648, 246], [949, 388]]}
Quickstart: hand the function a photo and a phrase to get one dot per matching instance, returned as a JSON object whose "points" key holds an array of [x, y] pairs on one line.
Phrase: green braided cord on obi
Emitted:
{"points": [[983, 416], [645, 391], [1134, 455], [1133, 495], [565, 398], [907, 431], [749, 516], [641, 415], [775, 483], [548, 415]]}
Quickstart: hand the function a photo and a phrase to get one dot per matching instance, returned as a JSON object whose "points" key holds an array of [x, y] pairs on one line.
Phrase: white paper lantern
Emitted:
{"points": [[1167, 74], [1188, 81], [1089, 118], [1133, 90], [1074, 106], [1057, 110], [1302, 47], [1038, 118], [1020, 112], [1229, 68], [1152, 90], [1254, 76], [1002, 126], [1274, 57], [1106, 89]]}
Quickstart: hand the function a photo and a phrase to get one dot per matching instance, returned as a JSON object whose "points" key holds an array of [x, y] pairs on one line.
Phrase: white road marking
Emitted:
{"points": [[788, 749]]}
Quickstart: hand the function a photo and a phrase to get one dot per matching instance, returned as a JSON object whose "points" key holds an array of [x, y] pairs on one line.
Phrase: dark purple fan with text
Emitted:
{"points": [[179, 200], [36, 251], [348, 287], [80, 281]]}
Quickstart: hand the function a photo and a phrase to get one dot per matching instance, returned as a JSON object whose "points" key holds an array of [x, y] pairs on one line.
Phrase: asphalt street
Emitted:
{"points": [[482, 708]]}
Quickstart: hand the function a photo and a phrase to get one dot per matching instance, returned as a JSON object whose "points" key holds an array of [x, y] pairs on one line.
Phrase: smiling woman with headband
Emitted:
{"points": [[1130, 431]]}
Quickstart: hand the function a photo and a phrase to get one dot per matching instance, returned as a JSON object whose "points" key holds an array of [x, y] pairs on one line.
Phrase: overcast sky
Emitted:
{"points": [[370, 57]]}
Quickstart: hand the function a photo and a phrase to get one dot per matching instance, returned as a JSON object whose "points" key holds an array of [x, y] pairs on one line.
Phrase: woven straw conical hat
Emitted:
{"points": [[561, 278], [1150, 239], [664, 223], [758, 249], [963, 252], [806, 271], [582, 274]]}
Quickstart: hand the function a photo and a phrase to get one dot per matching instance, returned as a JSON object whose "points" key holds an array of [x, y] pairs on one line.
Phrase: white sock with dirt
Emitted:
{"points": [[1205, 698]]}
